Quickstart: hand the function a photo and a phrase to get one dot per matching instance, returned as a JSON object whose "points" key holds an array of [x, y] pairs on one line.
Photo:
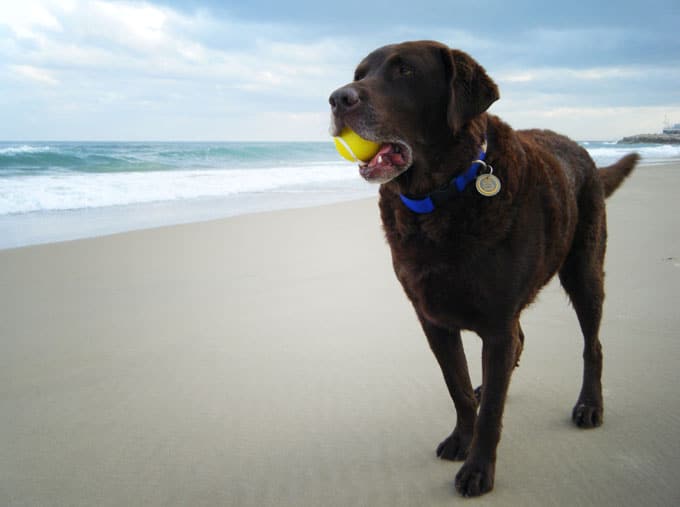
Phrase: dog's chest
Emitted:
{"points": [[453, 266], [449, 288]]}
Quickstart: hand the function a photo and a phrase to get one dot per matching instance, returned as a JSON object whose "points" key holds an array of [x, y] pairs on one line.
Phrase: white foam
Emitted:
{"points": [[61, 189], [15, 150], [70, 190], [653, 153]]}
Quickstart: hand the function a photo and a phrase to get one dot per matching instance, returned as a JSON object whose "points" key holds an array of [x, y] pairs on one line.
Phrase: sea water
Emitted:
{"points": [[54, 191]]}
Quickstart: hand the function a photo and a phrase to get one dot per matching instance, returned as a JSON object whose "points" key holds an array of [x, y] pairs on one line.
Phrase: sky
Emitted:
{"points": [[263, 70]]}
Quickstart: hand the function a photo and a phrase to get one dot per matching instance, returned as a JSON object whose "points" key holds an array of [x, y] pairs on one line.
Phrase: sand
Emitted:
{"points": [[273, 360]]}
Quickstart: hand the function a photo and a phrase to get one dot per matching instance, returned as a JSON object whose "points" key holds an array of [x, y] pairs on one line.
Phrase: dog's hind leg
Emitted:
{"points": [[448, 349], [582, 276]]}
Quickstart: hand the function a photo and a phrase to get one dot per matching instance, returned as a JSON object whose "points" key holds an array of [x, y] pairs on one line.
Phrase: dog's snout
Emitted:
{"points": [[344, 99]]}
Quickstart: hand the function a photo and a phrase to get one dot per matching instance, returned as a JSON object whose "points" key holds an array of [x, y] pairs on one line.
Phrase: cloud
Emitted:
{"points": [[36, 74], [632, 85], [557, 73], [258, 72], [138, 23], [146, 41], [28, 18], [593, 123], [209, 76]]}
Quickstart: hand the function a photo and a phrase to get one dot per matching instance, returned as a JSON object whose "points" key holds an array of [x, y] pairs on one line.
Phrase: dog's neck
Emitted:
{"points": [[452, 158]]}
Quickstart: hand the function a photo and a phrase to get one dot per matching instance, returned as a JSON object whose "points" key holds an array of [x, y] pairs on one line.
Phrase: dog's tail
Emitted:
{"points": [[613, 175]]}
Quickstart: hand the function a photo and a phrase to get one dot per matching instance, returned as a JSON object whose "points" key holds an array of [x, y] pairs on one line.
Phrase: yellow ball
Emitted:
{"points": [[355, 148]]}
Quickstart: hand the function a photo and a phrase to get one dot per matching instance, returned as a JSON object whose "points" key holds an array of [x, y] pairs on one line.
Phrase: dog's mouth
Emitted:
{"points": [[392, 159]]}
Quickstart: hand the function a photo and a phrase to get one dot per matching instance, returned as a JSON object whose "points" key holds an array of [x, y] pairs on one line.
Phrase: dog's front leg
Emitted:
{"points": [[499, 350], [447, 347]]}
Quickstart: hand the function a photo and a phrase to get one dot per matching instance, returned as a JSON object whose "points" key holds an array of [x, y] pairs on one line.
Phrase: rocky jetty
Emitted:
{"points": [[651, 138]]}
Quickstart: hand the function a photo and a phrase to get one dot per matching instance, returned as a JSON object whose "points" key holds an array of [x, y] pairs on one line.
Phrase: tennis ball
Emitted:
{"points": [[355, 148]]}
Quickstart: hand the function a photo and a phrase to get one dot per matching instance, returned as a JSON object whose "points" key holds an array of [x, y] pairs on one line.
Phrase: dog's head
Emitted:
{"points": [[410, 98]]}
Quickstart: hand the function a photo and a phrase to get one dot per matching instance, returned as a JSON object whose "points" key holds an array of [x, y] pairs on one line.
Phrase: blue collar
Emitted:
{"points": [[427, 204]]}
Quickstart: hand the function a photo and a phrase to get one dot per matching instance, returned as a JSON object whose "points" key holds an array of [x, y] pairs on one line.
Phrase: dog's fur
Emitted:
{"points": [[476, 262]]}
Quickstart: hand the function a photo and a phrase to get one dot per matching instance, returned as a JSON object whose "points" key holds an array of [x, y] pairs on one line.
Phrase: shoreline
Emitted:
{"points": [[39, 228], [47, 227]]}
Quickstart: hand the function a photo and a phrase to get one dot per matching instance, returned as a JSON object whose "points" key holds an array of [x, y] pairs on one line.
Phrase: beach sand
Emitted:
{"points": [[273, 360]]}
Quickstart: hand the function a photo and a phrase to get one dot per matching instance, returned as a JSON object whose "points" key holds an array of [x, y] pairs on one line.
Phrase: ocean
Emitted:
{"points": [[55, 191]]}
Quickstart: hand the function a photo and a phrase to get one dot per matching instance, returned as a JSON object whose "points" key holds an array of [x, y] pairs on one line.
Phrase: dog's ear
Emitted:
{"points": [[472, 91]]}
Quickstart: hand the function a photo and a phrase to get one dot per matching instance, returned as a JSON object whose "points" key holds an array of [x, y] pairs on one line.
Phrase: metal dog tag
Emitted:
{"points": [[488, 185]]}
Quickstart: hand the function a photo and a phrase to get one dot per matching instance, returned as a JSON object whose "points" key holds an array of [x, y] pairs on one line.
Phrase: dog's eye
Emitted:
{"points": [[405, 70]]}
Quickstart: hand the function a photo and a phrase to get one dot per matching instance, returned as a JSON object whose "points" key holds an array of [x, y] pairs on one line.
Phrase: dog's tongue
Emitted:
{"points": [[388, 154]]}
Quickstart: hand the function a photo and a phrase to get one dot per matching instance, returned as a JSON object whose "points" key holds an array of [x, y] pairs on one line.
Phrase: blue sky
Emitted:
{"points": [[262, 70]]}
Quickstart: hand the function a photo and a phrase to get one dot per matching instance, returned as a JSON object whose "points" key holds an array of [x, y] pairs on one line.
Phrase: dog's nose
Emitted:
{"points": [[344, 99]]}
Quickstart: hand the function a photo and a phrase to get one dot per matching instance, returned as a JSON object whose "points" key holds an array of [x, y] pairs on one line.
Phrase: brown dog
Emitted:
{"points": [[472, 250]]}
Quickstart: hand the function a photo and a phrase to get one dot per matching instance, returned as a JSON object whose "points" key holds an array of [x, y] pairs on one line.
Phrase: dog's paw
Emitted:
{"points": [[587, 415], [455, 447], [475, 478]]}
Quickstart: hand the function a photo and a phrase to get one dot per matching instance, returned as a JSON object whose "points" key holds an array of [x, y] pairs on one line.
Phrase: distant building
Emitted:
{"points": [[675, 129]]}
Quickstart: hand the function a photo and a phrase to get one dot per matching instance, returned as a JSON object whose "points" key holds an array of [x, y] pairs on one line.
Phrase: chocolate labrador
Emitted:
{"points": [[478, 218]]}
